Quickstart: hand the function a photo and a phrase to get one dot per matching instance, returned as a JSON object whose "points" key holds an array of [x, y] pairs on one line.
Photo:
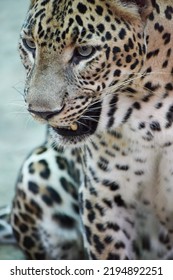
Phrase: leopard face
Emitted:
{"points": [[79, 56]]}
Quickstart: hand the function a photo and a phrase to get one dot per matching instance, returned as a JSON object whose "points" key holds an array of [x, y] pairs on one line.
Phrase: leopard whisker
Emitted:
{"points": [[19, 90], [78, 122], [92, 118], [16, 105]]}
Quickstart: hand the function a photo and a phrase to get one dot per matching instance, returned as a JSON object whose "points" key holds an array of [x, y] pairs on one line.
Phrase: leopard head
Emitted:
{"points": [[78, 56]]}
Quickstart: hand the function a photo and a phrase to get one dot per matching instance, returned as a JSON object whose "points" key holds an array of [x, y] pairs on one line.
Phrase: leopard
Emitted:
{"points": [[99, 76]]}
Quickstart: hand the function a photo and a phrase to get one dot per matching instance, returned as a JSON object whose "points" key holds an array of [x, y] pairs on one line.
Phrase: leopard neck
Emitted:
{"points": [[158, 64]]}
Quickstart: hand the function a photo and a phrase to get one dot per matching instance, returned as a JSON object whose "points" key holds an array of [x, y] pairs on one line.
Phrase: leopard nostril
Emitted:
{"points": [[46, 115]]}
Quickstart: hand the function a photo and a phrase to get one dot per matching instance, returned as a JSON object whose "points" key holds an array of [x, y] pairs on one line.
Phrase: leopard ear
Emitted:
{"points": [[144, 7], [139, 3]]}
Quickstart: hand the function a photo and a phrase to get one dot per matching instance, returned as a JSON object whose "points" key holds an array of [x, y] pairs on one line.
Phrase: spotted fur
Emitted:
{"points": [[6, 232], [100, 75]]}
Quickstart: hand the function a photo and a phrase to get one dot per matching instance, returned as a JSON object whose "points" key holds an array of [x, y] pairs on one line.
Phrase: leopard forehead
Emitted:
{"points": [[69, 22], [115, 30]]}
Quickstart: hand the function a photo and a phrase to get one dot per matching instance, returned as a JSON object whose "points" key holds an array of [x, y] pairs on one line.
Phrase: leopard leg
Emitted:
{"points": [[117, 200], [109, 228], [163, 200], [45, 213]]}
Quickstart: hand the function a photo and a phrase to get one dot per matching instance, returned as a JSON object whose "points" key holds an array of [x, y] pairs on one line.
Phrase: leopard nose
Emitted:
{"points": [[46, 115]]}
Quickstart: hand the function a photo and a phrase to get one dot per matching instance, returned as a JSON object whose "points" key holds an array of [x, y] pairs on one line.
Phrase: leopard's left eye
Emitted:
{"points": [[85, 51], [82, 53]]}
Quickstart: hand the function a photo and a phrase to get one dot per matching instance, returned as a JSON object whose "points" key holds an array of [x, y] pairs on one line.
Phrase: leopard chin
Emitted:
{"points": [[85, 126]]}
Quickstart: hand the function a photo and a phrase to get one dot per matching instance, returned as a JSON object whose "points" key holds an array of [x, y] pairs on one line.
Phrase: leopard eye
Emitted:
{"points": [[29, 44], [85, 51]]}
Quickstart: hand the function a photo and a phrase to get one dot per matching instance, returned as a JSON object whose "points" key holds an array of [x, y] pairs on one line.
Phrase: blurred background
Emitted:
{"points": [[19, 134]]}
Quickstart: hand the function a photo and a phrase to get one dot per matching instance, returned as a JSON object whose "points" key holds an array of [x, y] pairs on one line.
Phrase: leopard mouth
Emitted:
{"points": [[86, 125]]}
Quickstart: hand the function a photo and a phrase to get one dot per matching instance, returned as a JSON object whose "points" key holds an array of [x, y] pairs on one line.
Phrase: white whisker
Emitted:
{"points": [[20, 90], [17, 105], [78, 122]]}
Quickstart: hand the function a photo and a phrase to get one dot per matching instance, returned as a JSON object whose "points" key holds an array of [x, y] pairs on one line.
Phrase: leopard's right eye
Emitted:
{"points": [[29, 45]]}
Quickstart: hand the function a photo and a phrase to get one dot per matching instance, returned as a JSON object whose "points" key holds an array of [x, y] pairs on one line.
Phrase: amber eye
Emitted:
{"points": [[85, 51], [29, 44]]}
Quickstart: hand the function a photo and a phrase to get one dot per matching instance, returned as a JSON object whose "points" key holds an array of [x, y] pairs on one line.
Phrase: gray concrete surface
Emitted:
{"points": [[18, 132]]}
